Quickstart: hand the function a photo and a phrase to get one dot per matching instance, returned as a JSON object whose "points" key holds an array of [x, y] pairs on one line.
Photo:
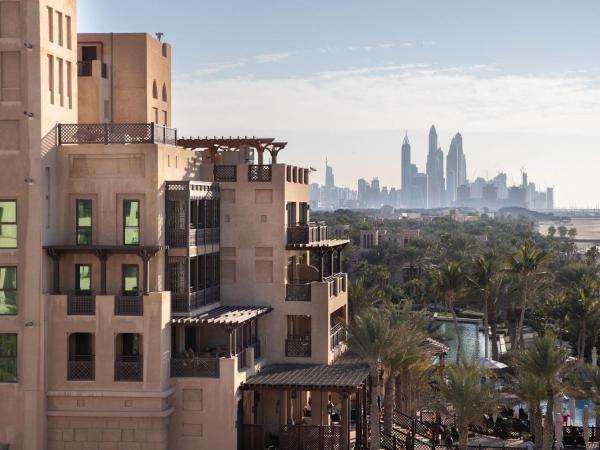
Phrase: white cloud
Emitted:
{"points": [[272, 57]]}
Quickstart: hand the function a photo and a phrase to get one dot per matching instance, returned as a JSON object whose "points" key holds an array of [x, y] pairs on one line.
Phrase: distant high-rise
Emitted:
{"points": [[550, 198], [456, 168], [406, 182], [435, 171], [329, 178], [501, 188]]}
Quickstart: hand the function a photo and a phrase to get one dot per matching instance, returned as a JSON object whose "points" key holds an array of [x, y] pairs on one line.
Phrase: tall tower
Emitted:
{"points": [[435, 171], [329, 178], [406, 171]]}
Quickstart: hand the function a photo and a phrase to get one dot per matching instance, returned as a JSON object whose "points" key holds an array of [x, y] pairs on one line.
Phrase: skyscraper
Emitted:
{"points": [[456, 168], [329, 178], [406, 172], [435, 171]]}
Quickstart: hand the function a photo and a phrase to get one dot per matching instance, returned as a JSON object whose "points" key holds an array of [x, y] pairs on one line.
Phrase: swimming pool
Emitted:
{"points": [[473, 340]]}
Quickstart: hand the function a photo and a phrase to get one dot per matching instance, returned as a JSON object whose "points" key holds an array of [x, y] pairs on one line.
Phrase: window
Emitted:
{"points": [[89, 53], [291, 214], [59, 22], [131, 222], [84, 222], [83, 279], [8, 358], [61, 97], [130, 278], [164, 92], [164, 50], [50, 24], [8, 290], [154, 90], [81, 357], [68, 30], [8, 224], [69, 85], [164, 118], [51, 77]]}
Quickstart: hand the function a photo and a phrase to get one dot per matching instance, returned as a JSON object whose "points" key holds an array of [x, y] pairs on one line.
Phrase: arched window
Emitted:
{"points": [[164, 92], [154, 90], [128, 354], [164, 50]]}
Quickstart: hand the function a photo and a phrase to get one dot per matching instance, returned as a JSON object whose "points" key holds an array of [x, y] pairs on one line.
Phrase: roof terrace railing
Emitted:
{"points": [[115, 133]]}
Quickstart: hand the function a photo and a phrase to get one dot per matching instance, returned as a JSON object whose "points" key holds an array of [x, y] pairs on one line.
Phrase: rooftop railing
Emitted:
{"points": [[195, 367], [115, 133], [307, 233], [129, 304], [184, 303]]}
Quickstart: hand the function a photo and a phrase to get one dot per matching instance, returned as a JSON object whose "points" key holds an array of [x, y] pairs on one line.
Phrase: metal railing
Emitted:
{"points": [[337, 335], [128, 368], [225, 173], [195, 367], [81, 367], [297, 347], [196, 237], [307, 233], [115, 133], [182, 303], [298, 292], [81, 305], [262, 173], [129, 304]]}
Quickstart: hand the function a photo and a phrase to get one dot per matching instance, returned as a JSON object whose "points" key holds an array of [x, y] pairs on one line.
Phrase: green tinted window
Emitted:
{"points": [[131, 222], [8, 358], [130, 277], [83, 278], [8, 224], [8, 290], [84, 222]]}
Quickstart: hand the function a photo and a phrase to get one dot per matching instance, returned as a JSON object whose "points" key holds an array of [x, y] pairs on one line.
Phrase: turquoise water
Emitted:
{"points": [[473, 340], [579, 404]]}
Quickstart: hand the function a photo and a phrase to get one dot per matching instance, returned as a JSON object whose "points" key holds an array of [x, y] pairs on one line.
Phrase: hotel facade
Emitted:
{"points": [[156, 291]]}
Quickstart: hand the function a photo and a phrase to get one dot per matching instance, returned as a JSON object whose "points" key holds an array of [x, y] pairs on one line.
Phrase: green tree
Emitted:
{"points": [[531, 389], [572, 233], [546, 362], [482, 279], [588, 383], [526, 263], [592, 255], [449, 282], [369, 335], [551, 231], [562, 231], [463, 395]]}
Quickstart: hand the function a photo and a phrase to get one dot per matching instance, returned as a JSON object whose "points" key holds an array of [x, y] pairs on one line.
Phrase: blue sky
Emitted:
{"points": [[344, 79]]}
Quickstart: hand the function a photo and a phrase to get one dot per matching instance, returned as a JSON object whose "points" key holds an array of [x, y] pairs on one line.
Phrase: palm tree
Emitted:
{"points": [[551, 230], [358, 297], [592, 255], [405, 350], [369, 335], [588, 383], [482, 279], [449, 282], [463, 395], [531, 390], [545, 361], [562, 231], [572, 233], [586, 310], [526, 263]]}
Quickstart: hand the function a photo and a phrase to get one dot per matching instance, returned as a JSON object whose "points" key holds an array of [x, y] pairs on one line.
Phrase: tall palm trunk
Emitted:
{"points": [[486, 310], [375, 426], [388, 404], [463, 436], [535, 425], [549, 421], [519, 333], [456, 329], [493, 330]]}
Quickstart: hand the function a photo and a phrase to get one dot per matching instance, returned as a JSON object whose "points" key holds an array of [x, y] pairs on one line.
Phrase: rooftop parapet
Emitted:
{"points": [[115, 133]]}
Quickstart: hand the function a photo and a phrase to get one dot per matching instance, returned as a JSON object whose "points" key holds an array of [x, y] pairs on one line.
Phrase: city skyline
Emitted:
{"points": [[524, 94]]}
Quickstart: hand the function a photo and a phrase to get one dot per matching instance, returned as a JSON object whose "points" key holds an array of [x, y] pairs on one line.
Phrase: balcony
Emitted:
{"points": [[129, 304], [195, 367], [242, 358], [81, 305], [225, 173], [297, 292], [81, 368], [196, 237], [298, 347], [184, 303], [128, 368], [115, 133], [308, 233], [261, 173], [337, 335]]}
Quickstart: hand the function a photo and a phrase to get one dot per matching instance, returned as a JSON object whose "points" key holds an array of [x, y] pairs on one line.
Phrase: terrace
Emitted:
{"points": [[115, 133]]}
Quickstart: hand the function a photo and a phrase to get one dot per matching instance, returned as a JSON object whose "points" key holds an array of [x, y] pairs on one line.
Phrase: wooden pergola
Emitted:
{"points": [[215, 144]]}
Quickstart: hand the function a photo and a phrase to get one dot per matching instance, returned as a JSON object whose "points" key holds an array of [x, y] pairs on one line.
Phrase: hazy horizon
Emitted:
{"points": [[344, 80]]}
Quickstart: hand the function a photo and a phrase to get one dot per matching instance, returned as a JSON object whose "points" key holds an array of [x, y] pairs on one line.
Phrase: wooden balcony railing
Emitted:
{"points": [[129, 304], [307, 233], [128, 368], [297, 292], [225, 173], [183, 303], [81, 305], [297, 346], [196, 237], [337, 335], [195, 367], [81, 367], [262, 173], [115, 133]]}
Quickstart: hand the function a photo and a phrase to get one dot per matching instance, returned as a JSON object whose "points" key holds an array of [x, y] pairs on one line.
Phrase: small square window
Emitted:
{"points": [[8, 290], [84, 222], [131, 222], [8, 224]]}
